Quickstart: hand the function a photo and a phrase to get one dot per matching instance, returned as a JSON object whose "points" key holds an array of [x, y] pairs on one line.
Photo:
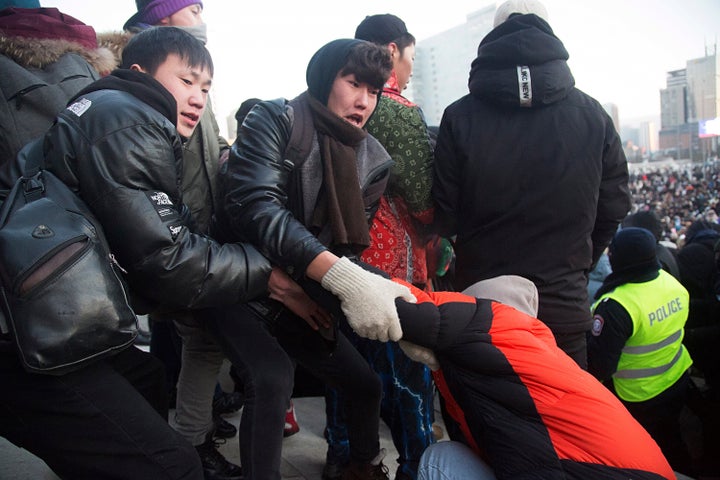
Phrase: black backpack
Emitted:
{"points": [[63, 301]]}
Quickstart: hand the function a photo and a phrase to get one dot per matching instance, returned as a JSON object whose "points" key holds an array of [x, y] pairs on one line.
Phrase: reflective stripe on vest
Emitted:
{"points": [[649, 372], [655, 346], [653, 357]]}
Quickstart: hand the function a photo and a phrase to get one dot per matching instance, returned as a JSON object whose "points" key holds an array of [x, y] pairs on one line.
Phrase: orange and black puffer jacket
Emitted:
{"points": [[523, 404]]}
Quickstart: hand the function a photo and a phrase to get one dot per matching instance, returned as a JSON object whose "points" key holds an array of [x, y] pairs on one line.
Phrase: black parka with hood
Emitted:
{"points": [[529, 172]]}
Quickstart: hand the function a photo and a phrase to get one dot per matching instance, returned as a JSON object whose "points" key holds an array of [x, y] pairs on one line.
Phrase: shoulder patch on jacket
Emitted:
{"points": [[162, 203], [597, 325], [80, 107], [166, 211]]}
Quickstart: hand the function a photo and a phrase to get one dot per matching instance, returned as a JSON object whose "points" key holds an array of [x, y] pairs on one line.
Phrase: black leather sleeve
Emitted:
{"points": [[255, 190], [126, 167]]}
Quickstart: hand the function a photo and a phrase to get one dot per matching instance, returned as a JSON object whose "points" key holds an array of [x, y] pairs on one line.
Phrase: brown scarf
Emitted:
{"points": [[340, 202]]}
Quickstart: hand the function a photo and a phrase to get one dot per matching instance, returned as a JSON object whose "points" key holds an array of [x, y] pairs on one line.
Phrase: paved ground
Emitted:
{"points": [[303, 453]]}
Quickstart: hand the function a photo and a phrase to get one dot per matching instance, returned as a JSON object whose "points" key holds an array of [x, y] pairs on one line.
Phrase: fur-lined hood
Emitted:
{"points": [[115, 42], [39, 53]]}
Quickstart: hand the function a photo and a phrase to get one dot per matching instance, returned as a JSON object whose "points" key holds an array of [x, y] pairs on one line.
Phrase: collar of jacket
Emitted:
{"points": [[140, 85], [615, 279], [392, 90]]}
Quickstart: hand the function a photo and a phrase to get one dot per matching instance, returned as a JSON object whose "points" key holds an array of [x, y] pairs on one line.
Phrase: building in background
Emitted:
{"points": [[612, 110], [648, 138], [703, 80], [673, 99], [689, 103], [442, 65]]}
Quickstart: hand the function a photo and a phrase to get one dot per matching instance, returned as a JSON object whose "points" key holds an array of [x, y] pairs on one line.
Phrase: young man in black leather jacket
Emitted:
{"points": [[308, 212], [119, 146]]}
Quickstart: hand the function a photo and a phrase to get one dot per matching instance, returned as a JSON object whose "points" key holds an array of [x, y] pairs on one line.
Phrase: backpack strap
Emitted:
{"points": [[303, 131], [32, 181], [298, 150]]}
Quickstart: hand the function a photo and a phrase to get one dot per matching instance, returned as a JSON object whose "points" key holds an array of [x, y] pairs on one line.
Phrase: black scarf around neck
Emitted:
{"points": [[340, 202]]}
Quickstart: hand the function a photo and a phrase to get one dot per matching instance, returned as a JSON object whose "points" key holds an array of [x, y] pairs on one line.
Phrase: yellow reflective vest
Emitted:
{"points": [[654, 357]]}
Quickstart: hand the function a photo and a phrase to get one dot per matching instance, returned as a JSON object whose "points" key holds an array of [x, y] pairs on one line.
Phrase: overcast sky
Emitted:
{"points": [[620, 50]]}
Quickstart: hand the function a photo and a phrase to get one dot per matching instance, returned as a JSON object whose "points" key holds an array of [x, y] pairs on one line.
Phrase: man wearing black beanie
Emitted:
{"points": [[308, 209], [398, 249]]}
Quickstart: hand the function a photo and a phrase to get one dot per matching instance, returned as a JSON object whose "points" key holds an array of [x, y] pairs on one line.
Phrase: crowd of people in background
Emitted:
{"points": [[337, 233], [679, 194]]}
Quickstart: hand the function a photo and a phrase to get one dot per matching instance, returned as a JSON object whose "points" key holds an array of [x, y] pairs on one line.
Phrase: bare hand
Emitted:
{"points": [[285, 290]]}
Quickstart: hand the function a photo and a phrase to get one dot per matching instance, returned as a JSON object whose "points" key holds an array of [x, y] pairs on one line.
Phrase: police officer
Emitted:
{"points": [[636, 340]]}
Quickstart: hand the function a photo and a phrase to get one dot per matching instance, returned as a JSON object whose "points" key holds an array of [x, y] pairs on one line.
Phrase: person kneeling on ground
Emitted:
{"points": [[525, 408]]}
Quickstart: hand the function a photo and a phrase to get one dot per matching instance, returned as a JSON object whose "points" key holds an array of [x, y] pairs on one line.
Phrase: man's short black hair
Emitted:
{"points": [[384, 29], [370, 63], [150, 48], [404, 41]]}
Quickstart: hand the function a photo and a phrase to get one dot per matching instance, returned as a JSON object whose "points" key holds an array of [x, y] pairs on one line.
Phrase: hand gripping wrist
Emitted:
{"points": [[367, 299]]}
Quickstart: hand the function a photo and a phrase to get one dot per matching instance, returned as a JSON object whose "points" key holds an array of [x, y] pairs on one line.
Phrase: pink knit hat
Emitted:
{"points": [[150, 12]]}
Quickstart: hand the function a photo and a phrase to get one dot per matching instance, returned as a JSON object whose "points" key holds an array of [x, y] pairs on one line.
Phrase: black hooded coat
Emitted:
{"points": [[534, 169]]}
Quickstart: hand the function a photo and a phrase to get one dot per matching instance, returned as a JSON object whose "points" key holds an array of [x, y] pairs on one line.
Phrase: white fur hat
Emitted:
{"points": [[523, 7], [518, 292]]}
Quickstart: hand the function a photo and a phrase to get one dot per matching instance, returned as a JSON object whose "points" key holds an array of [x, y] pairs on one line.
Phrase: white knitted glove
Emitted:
{"points": [[367, 299], [420, 354]]}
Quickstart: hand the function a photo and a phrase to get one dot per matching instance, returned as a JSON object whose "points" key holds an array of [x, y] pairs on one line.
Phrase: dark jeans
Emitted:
{"points": [[166, 345], [263, 348], [93, 423]]}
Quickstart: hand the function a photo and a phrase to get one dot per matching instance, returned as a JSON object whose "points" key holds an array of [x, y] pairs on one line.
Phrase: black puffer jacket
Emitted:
{"points": [[533, 181], [268, 199], [124, 158]]}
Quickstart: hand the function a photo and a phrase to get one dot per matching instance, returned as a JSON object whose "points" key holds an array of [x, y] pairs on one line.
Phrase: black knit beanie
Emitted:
{"points": [[325, 65], [633, 259], [381, 29], [633, 251]]}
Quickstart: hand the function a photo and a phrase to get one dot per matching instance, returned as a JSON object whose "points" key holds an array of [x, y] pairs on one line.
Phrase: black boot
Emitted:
{"points": [[373, 470], [223, 428], [215, 466]]}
